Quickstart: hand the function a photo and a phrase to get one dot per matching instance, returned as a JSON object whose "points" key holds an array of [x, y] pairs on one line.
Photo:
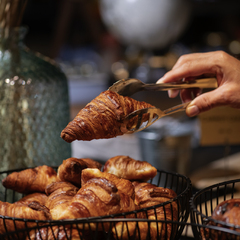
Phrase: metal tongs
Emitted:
{"points": [[127, 87]]}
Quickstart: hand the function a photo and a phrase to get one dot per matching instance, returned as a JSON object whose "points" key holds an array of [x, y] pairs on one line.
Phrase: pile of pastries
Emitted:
{"points": [[83, 188]]}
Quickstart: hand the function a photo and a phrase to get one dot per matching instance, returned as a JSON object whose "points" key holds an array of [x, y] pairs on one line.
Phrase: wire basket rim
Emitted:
{"points": [[177, 223], [180, 195], [193, 207]]}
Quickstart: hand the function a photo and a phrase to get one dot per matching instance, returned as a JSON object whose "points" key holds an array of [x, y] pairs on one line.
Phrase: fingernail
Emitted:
{"points": [[192, 111], [161, 80], [171, 93]]}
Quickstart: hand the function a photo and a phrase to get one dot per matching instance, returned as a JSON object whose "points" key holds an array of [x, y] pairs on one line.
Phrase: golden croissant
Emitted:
{"points": [[97, 197], [129, 168], [30, 180], [16, 210], [71, 169], [59, 196], [102, 118], [148, 195], [123, 185], [39, 198]]}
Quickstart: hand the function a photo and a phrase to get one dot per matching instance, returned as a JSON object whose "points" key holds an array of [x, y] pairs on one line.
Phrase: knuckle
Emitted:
{"points": [[187, 67], [221, 56], [181, 59]]}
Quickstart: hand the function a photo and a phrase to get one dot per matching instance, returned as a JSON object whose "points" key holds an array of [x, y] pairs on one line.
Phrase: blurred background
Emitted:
{"points": [[97, 42]]}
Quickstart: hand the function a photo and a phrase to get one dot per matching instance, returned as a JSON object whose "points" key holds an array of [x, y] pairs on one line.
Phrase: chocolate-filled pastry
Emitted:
{"points": [[228, 211], [60, 232], [129, 168], [30, 180], [97, 197], [123, 185], [148, 195], [102, 118], [71, 169]]}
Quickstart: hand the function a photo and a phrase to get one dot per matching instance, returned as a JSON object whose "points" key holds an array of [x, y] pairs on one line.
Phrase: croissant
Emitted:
{"points": [[147, 195], [30, 180], [97, 197], [70, 170], [39, 198], [32, 211], [59, 232], [59, 196], [102, 118], [129, 168], [123, 185]]}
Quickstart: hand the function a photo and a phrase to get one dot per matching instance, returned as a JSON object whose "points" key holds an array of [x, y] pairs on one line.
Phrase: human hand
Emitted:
{"points": [[218, 64]]}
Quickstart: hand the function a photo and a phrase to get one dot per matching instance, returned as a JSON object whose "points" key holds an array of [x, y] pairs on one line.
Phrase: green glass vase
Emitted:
{"points": [[34, 105]]}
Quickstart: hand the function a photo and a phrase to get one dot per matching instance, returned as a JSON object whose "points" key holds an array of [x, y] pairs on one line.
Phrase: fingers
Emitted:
{"points": [[218, 64], [205, 102], [188, 95], [193, 65], [173, 93]]}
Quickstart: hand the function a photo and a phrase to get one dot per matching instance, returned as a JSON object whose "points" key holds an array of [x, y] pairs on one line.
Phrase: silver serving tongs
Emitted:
{"points": [[128, 87], [153, 115]]}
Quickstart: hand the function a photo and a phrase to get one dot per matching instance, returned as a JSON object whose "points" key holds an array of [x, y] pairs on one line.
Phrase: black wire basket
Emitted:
{"points": [[119, 226], [202, 205]]}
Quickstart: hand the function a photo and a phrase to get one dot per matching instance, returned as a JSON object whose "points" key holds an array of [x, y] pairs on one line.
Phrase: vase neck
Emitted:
{"points": [[11, 38]]}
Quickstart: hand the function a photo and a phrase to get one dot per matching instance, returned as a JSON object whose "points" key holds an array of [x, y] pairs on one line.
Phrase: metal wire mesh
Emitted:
{"points": [[202, 205], [122, 227], [117, 226]]}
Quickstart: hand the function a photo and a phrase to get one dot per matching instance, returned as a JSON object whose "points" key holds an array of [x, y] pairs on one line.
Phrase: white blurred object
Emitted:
{"points": [[146, 23], [103, 149]]}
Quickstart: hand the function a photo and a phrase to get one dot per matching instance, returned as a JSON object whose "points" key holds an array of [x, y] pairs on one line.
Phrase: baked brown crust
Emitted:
{"points": [[39, 198], [97, 197], [101, 194], [147, 195], [102, 118], [123, 185], [129, 168], [57, 232], [14, 210], [60, 195], [71, 169], [30, 180], [228, 211]]}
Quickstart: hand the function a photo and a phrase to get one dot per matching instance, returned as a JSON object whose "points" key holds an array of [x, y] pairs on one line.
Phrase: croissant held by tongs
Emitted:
{"points": [[102, 118]]}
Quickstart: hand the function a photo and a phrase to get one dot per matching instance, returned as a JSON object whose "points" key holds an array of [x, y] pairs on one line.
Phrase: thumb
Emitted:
{"points": [[204, 102]]}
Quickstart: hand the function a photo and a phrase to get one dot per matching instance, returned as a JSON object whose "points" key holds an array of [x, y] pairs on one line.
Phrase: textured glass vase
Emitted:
{"points": [[34, 105]]}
